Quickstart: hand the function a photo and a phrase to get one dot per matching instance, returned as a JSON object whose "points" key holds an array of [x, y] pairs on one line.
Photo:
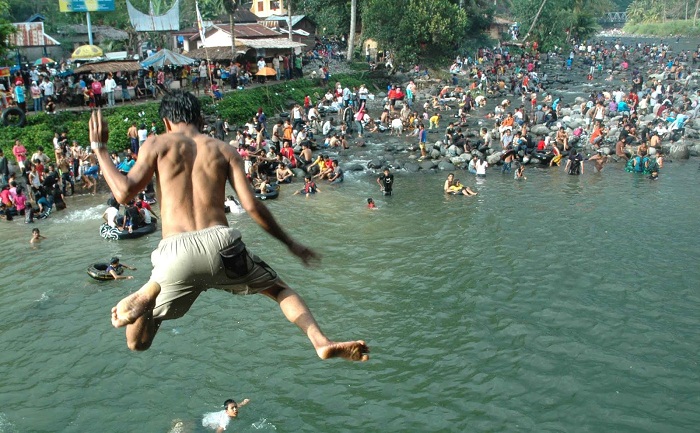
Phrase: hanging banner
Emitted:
{"points": [[86, 5]]}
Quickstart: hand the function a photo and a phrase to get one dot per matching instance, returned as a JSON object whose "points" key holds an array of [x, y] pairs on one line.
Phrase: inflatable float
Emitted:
{"points": [[99, 272], [113, 233], [268, 195]]}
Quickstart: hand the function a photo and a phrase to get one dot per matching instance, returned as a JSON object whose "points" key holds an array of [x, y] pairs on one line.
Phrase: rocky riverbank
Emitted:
{"points": [[378, 150]]}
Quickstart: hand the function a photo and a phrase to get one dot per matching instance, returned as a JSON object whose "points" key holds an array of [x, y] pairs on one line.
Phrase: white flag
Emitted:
{"points": [[200, 24]]}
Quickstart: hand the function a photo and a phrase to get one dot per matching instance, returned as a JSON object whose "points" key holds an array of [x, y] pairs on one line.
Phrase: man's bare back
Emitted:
{"points": [[192, 173], [192, 170]]}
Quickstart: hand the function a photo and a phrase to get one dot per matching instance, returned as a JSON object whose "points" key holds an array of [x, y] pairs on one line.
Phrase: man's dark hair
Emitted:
{"points": [[229, 401], [180, 106]]}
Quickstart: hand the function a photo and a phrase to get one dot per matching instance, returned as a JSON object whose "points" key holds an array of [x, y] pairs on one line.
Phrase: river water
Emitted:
{"points": [[557, 303]]}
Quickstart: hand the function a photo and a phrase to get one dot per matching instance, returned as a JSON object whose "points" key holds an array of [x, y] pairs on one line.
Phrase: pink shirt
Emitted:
{"points": [[20, 203], [20, 152]]}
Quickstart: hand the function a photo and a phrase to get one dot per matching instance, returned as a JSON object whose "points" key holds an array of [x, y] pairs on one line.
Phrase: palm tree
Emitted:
{"points": [[231, 6]]}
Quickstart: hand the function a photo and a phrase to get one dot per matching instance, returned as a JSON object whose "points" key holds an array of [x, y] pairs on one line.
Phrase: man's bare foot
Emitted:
{"points": [[350, 350], [135, 305]]}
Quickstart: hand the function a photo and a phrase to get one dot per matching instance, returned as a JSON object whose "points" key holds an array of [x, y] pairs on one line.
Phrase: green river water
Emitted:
{"points": [[554, 304]]}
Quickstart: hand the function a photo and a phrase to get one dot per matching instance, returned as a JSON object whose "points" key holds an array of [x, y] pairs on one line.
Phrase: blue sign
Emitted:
{"points": [[86, 5]]}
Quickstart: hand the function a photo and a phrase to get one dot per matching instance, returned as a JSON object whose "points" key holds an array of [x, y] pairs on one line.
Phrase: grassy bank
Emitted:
{"points": [[237, 107], [665, 29]]}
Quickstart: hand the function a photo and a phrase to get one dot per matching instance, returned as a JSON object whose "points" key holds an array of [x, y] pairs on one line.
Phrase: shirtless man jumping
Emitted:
{"points": [[198, 250]]}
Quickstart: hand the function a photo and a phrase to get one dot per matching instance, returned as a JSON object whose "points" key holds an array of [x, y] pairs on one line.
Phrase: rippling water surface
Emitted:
{"points": [[553, 304]]}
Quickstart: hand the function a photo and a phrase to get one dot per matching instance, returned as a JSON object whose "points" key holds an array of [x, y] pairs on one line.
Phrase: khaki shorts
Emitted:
{"points": [[186, 264]]}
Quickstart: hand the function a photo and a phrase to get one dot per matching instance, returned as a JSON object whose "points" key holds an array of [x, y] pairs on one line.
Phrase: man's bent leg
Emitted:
{"points": [[136, 313], [296, 311]]}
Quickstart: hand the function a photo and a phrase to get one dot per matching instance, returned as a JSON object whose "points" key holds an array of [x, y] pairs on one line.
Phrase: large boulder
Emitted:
{"points": [[539, 130], [446, 166], [435, 154], [679, 151], [353, 167], [427, 164], [494, 158], [453, 151], [606, 150], [412, 167], [375, 163], [691, 133]]}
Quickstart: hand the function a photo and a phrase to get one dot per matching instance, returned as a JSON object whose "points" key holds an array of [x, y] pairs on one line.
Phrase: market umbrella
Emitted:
{"points": [[43, 61], [87, 52], [266, 71], [166, 57]]}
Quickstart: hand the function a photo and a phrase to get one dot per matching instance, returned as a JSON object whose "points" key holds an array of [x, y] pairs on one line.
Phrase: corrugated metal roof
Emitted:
{"points": [[295, 18], [242, 31], [253, 30], [271, 43]]}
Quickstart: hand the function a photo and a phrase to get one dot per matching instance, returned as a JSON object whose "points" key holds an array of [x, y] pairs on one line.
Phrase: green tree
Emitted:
{"points": [[6, 29], [434, 28], [560, 20]]}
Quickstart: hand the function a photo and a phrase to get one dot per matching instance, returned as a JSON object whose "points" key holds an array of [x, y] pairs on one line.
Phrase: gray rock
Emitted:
{"points": [[353, 167], [412, 167], [299, 173], [494, 158], [578, 100], [679, 151], [456, 160], [606, 150], [539, 130], [435, 154], [427, 164], [452, 151], [535, 161], [652, 151], [446, 166], [564, 111], [695, 150], [691, 133], [375, 163]]}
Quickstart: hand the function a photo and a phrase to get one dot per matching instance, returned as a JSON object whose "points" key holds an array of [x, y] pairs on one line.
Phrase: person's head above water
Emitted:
{"points": [[114, 261], [231, 408], [180, 106]]}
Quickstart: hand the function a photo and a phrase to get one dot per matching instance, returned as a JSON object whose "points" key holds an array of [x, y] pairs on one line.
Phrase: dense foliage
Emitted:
{"points": [[6, 29], [560, 20], [655, 11]]}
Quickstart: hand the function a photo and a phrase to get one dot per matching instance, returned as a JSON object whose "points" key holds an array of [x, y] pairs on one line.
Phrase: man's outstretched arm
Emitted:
{"points": [[124, 187], [261, 214]]}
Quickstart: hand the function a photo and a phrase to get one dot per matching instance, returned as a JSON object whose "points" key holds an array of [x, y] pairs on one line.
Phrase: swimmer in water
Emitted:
{"points": [[370, 203], [199, 250], [219, 420], [36, 237]]}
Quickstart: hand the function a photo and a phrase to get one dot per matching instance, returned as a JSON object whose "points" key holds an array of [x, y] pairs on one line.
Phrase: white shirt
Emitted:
{"points": [[110, 85], [111, 213], [142, 134], [215, 420], [47, 87], [481, 167]]}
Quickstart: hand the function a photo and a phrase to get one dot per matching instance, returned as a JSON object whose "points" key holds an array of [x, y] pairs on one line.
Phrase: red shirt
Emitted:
{"points": [[541, 145]]}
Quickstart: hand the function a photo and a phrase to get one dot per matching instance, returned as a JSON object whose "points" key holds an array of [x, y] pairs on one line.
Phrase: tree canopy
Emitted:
{"points": [[560, 20]]}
